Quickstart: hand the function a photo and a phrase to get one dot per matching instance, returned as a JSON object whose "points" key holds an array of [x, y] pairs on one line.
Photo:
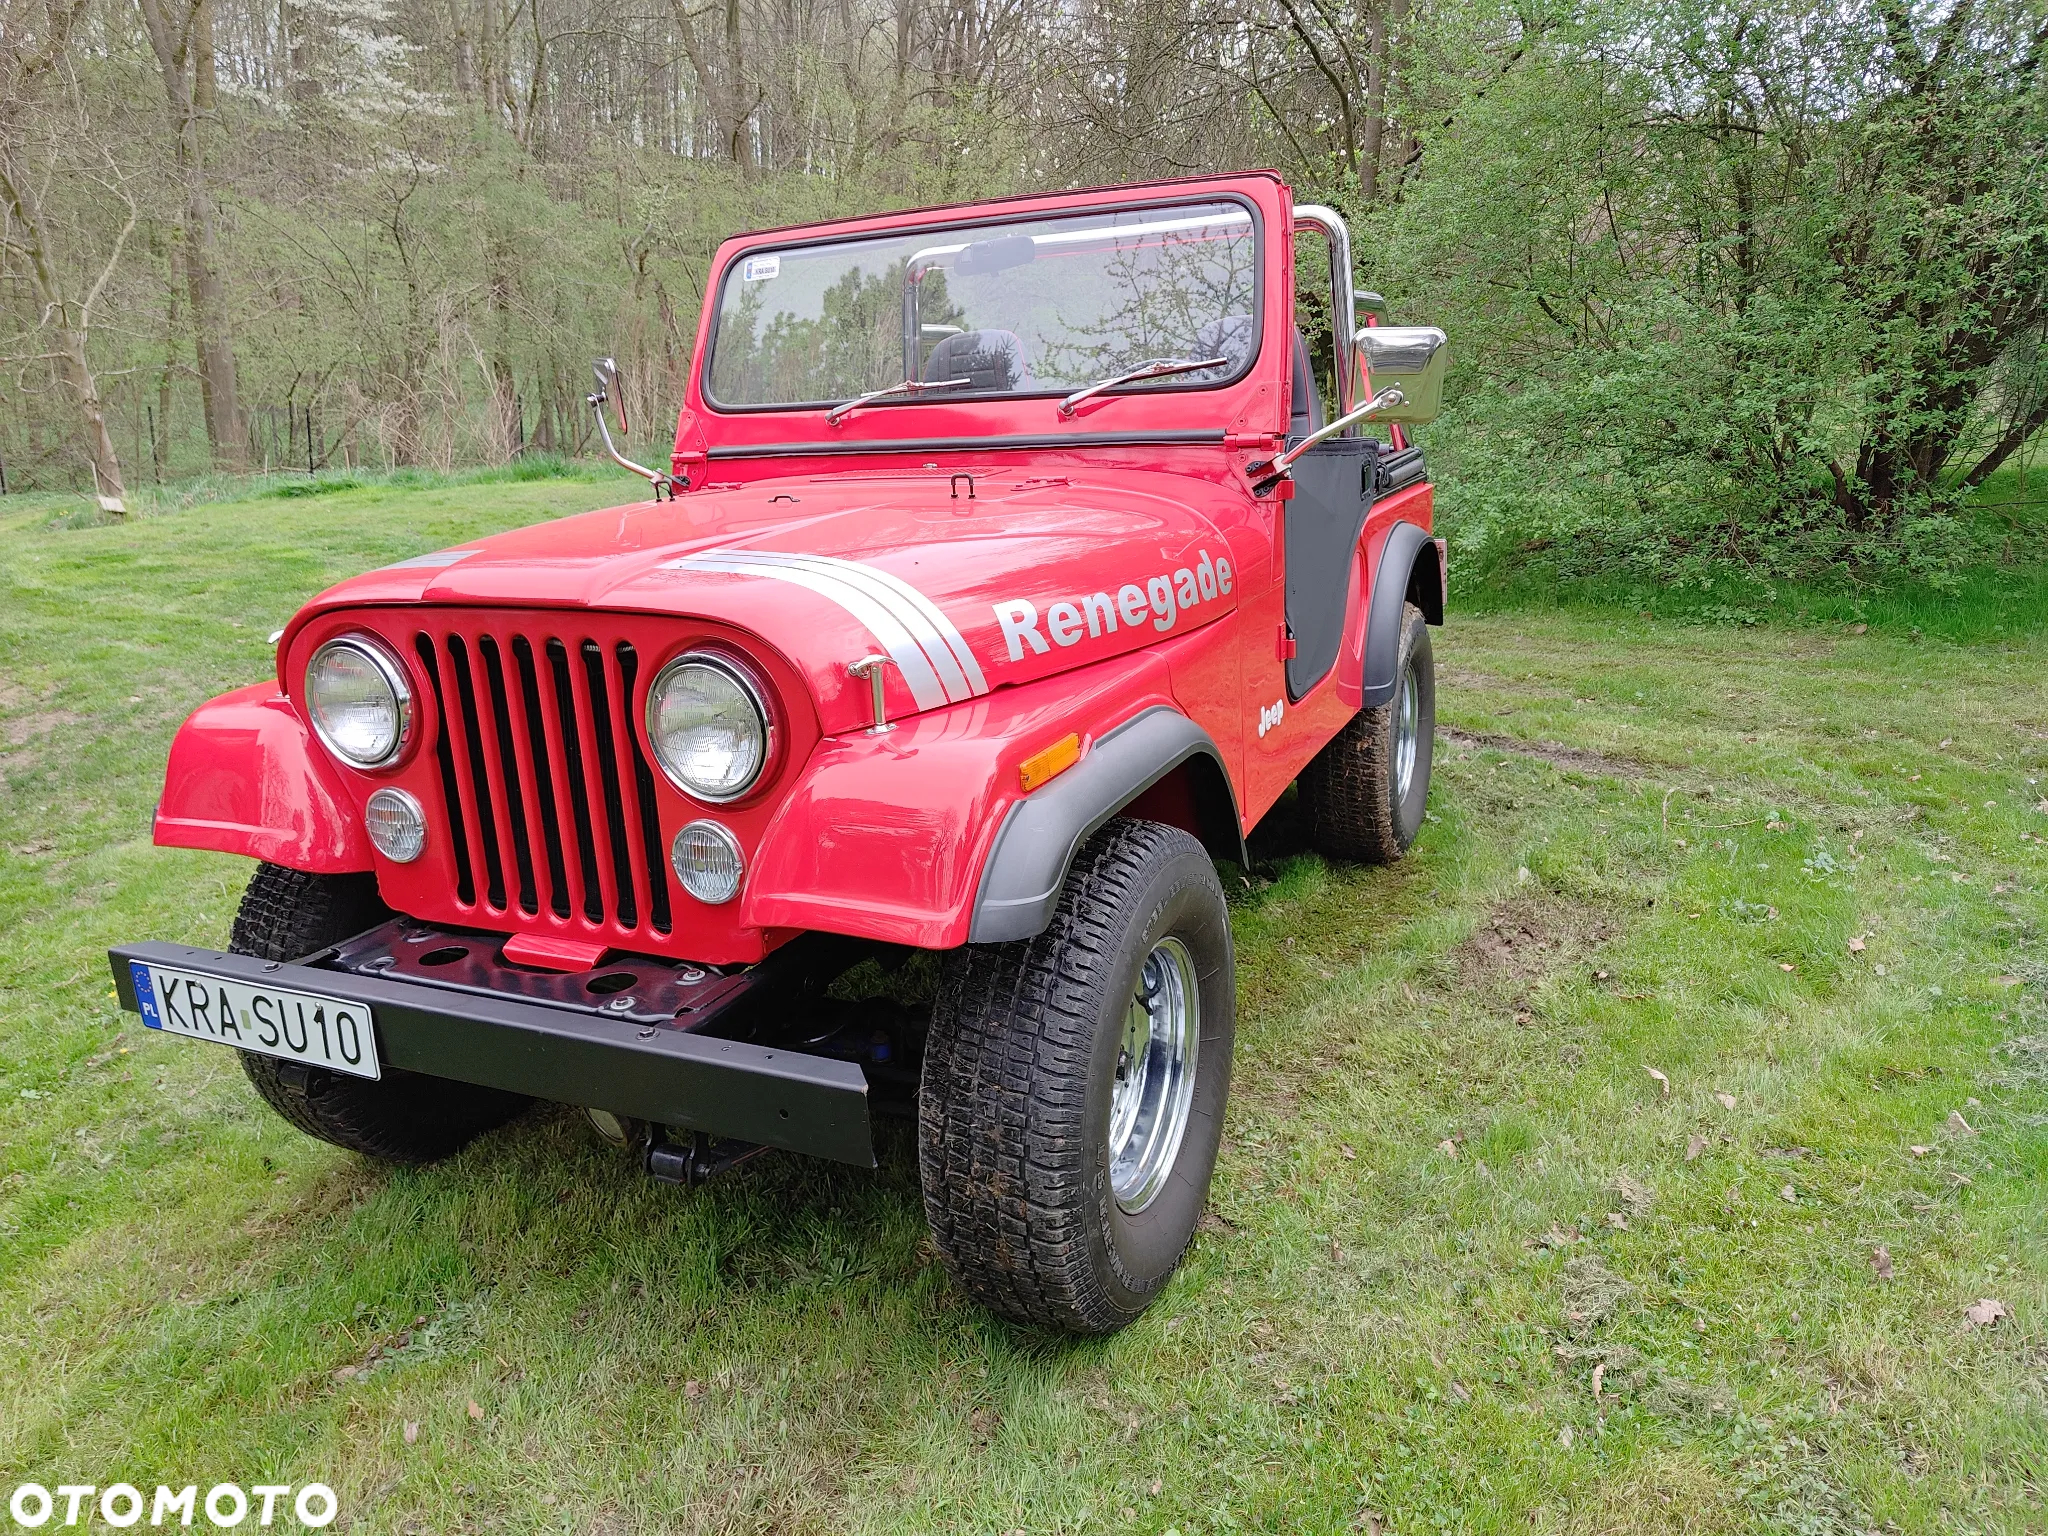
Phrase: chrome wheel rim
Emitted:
{"points": [[1406, 720], [1154, 1087]]}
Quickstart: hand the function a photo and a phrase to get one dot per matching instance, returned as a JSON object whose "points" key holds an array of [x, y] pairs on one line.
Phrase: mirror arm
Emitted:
{"points": [[1274, 470], [664, 485]]}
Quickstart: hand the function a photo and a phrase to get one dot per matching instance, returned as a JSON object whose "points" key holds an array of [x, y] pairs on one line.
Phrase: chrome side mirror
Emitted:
{"points": [[1411, 359], [609, 389], [606, 370]]}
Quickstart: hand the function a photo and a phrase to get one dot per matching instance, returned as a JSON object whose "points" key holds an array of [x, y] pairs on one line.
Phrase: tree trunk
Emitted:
{"points": [[71, 320], [181, 35]]}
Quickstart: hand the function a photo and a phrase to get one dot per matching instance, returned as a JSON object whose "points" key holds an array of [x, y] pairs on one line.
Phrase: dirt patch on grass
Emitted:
{"points": [[1592, 1294], [23, 729], [1525, 939], [1571, 759]]}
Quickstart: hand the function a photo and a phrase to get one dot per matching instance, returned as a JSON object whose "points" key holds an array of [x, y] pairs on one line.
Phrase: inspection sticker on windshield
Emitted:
{"points": [[297, 1026], [755, 268]]}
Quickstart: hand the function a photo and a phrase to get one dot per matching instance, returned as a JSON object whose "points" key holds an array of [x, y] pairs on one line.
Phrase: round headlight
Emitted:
{"points": [[707, 861], [708, 727], [396, 824], [359, 701]]}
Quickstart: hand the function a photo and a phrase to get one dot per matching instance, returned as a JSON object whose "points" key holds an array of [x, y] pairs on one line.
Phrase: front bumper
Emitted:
{"points": [[663, 1068]]}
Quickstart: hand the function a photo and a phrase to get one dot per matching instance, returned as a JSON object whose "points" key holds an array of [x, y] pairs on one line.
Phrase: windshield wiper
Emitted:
{"points": [[908, 387], [1158, 368]]}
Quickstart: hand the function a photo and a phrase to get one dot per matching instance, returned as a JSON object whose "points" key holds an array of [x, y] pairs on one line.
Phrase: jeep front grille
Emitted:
{"points": [[549, 797]]}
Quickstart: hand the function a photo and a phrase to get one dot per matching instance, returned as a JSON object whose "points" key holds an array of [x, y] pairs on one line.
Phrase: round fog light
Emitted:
{"points": [[707, 861], [396, 824]]}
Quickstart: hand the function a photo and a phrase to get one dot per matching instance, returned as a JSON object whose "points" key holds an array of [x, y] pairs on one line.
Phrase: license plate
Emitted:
{"points": [[297, 1026]]}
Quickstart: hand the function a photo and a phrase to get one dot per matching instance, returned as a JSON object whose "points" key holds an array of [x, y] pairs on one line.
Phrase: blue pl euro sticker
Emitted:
{"points": [[145, 995]]}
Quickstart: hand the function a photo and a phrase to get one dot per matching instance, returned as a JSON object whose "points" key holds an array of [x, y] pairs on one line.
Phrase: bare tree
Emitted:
{"points": [[35, 65], [181, 36]]}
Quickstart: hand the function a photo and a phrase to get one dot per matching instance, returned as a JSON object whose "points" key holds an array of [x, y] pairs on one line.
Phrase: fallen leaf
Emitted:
{"points": [[1785, 965], [1350, 1153], [1599, 975], [1694, 1146], [1789, 1195], [1448, 1147], [1726, 1100], [1564, 1437], [1618, 1221], [1956, 1122], [693, 1388], [475, 1412], [1461, 1392], [1859, 629], [1371, 1521], [1881, 1261], [1157, 1484], [1919, 1151], [1985, 1312], [1855, 946], [2005, 981], [1599, 1375], [346, 1373], [1663, 1082], [412, 1430], [1948, 741]]}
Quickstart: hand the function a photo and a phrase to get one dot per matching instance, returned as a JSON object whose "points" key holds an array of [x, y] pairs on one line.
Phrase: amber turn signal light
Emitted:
{"points": [[1044, 766]]}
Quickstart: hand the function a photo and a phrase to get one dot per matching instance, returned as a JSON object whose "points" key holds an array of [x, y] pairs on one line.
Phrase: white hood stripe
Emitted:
{"points": [[879, 620], [928, 650], [942, 643], [956, 643]]}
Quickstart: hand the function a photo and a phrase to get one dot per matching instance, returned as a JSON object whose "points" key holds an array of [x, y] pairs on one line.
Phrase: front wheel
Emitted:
{"points": [[1365, 792], [402, 1117], [1074, 1084]]}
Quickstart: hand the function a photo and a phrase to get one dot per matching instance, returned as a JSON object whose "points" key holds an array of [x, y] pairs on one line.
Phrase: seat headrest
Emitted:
{"points": [[989, 359]]}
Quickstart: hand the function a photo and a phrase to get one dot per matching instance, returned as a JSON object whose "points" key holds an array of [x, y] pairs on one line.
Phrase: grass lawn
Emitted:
{"points": [[1624, 1160]]}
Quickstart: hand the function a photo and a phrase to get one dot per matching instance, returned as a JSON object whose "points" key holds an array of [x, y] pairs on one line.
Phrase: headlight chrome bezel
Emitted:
{"points": [[391, 670], [757, 693]]}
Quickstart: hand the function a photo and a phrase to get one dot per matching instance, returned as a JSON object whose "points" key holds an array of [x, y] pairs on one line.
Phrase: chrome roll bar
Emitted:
{"points": [[1343, 306]]}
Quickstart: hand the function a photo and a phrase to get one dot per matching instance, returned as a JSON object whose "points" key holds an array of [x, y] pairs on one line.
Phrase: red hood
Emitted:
{"points": [[966, 593]]}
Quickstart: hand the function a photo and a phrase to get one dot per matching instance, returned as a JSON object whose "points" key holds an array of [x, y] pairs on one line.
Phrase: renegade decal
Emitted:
{"points": [[929, 652], [1166, 598]]}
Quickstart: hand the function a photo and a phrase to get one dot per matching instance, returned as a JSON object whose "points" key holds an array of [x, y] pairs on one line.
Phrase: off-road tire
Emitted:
{"points": [[403, 1117], [1348, 790], [1013, 1123]]}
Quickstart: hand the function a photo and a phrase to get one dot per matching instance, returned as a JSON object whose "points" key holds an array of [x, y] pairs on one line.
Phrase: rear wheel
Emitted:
{"points": [[1364, 794], [402, 1117], [1074, 1084]]}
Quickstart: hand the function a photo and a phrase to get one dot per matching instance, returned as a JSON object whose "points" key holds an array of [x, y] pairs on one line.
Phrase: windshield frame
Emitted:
{"points": [[980, 219]]}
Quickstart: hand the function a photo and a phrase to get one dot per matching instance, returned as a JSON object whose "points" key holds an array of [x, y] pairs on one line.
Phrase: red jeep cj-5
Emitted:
{"points": [[1013, 561]]}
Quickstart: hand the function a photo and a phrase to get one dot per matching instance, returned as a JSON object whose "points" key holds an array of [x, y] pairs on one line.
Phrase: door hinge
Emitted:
{"points": [[1249, 439], [1287, 647]]}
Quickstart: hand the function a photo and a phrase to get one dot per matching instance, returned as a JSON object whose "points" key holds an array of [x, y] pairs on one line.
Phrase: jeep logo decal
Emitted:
{"points": [[1163, 598]]}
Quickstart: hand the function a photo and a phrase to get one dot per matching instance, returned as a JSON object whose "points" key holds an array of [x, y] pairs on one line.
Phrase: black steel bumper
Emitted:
{"points": [[661, 1070]]}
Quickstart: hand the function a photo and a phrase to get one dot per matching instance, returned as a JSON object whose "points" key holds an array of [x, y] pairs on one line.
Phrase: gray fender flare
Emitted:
{"points": [[1405, 544], [1020, 883]]}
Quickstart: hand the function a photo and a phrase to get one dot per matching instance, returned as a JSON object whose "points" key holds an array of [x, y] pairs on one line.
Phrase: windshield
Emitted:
{"points": [[1035, 306]]}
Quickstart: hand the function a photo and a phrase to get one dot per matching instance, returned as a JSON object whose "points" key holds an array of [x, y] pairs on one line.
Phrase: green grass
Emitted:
{"points": [[1651, 846], [1999, 586]]}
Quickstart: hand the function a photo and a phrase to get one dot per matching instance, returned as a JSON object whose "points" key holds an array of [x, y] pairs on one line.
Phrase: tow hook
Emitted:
{"points": [[699, 1160]]}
